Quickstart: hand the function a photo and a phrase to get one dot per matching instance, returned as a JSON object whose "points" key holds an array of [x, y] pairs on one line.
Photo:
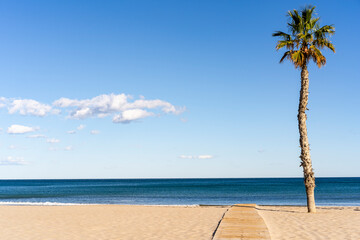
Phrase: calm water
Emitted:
{"points": [[272, 191]]}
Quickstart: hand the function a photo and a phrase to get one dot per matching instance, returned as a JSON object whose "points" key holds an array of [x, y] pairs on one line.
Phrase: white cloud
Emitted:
{"points": [[131, 115], [30, 107], [118, 104], [36, 136], [68, 148], [121, 106], [205, 157], [196, 156], [80, 127], [186, 157], [102, 115], [19, 129], [102, 104], [151, 104], [12, 147], [12, 161], [2, 102], [94, 132], [53, 149], [52, 140]]}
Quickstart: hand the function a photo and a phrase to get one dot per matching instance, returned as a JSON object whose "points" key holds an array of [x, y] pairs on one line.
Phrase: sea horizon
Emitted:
{"points": [[110, 178]]}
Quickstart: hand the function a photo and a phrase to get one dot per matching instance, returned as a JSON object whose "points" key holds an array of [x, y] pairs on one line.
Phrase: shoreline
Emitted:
{"points": [[104, 204], [14, 203]]}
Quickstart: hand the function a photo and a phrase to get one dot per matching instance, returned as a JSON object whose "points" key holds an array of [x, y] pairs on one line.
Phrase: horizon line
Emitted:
{"points": [[154, 178]]}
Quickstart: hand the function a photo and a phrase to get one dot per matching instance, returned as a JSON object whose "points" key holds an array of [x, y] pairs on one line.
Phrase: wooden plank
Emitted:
{"points": [[242, 222]]}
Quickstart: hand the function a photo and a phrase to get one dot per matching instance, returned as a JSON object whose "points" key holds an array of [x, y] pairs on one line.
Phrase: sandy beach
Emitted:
{"points": [[329, 223], [100, 222]]}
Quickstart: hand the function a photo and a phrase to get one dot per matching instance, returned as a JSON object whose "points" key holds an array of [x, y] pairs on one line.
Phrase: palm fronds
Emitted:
{"points": [[305, 38]]}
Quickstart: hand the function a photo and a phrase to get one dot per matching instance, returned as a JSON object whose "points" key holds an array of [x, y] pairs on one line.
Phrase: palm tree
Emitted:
{"points": [[303, 43]]}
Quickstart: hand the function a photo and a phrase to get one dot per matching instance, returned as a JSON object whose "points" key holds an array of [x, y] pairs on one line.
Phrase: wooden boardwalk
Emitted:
{"points": [[242, 222]]}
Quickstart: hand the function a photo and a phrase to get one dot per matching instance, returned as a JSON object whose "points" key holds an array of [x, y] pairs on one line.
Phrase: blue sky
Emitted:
{"points": [[143, 89]]}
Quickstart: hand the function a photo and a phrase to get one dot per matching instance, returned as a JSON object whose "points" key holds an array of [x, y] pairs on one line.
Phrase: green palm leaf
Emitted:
{"points": [[305, 38]]}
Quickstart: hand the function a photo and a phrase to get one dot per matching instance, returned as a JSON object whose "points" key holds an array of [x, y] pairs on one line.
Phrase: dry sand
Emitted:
{"points": [[119, 222], [100, 222], [288, 223]]}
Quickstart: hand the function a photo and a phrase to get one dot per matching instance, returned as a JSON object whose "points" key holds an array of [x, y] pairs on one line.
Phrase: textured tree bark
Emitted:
{"points": [[309, 178]]}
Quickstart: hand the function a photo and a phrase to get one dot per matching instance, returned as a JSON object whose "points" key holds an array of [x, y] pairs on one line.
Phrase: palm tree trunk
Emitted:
{"points": [[309, 178]]}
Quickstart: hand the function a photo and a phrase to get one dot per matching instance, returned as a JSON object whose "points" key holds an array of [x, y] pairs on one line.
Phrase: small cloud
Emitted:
{"points": [[184, 120], [12, 161], [80, 127], [69, 148], [31, 107], [71, 132], [94, 132], [3, 102], [261, 151], [131, 115], [196, 156], [52, 140], [19, 129], [53, 149], [36, 136], [102, 115], [12, 147]]}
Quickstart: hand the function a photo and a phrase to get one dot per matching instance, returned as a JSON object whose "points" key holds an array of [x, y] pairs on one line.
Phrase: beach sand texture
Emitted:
{"points": [[329, 223], [100, 222], [119, 222]]}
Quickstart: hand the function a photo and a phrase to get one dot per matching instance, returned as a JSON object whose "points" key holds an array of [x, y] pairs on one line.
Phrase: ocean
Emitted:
{"points": [[227, 191]]}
